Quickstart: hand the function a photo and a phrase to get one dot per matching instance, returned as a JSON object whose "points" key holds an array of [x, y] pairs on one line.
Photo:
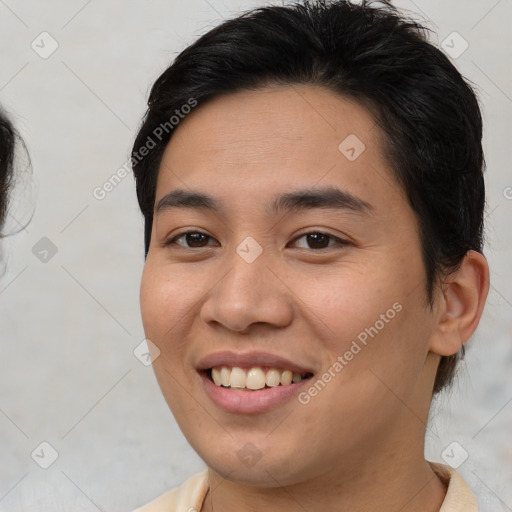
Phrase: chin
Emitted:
{"points": [[251, 466]]}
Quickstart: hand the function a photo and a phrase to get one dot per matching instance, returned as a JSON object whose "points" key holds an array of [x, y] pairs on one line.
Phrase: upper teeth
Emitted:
{"points": [[253, 378]]}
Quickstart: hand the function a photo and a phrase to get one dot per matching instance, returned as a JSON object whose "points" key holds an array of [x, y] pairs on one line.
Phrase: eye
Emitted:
{"points": [[195, 238], [315, 239], [318, 240]]}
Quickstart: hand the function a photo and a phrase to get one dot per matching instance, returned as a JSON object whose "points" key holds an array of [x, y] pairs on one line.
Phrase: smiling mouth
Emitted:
{"points": [[254, 378]]}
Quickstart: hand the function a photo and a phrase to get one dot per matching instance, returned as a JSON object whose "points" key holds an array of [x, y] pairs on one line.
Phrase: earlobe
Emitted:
{"points": [[461, 304]]}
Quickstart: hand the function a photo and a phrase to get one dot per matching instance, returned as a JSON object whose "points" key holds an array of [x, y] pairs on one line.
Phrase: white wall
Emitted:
{"points": [[69, 325]]}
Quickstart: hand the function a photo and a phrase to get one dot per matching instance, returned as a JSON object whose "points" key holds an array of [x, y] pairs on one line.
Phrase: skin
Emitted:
{"points": [[366, 428]]}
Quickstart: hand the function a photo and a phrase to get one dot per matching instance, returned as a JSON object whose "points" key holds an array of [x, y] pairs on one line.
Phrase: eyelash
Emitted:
{"points": [[339, 241]]}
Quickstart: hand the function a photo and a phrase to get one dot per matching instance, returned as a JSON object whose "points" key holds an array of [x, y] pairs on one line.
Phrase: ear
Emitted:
{"points": [[460, 305]]}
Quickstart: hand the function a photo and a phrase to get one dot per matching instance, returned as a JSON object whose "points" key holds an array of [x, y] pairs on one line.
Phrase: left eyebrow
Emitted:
{"points": [[329, 197]]}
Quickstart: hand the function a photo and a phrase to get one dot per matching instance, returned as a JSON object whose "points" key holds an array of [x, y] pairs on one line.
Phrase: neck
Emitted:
{"points": [[398, 483]]}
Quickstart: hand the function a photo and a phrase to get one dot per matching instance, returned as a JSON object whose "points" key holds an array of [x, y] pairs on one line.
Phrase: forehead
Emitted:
{"points": [[268, 140], [283, 115]]}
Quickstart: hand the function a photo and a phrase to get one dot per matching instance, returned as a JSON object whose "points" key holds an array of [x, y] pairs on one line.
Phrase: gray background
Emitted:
{"points": [[69, 325]]}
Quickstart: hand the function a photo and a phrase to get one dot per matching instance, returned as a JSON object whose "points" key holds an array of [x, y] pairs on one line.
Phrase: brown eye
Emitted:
{"points": [[319, 240], [193, 239]]}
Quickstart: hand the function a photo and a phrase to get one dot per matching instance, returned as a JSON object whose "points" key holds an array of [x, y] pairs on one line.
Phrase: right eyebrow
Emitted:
{"points": [[180, 198]]}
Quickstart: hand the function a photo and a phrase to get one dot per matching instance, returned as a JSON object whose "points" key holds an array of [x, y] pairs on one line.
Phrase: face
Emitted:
{"points": [[304, 262]]}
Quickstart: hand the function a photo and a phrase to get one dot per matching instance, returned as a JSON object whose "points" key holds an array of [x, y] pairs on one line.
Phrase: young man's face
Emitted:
{"points": [[348, 306]]}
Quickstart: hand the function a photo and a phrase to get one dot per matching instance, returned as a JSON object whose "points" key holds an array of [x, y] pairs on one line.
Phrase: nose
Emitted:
{"points": [[248, 294]]}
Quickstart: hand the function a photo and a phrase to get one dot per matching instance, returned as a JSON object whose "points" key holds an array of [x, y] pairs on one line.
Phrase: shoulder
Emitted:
{"points": [[459, 496], [188, 496]]}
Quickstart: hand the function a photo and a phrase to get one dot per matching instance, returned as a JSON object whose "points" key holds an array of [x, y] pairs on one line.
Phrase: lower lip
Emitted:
{"points": [[250, 401]]}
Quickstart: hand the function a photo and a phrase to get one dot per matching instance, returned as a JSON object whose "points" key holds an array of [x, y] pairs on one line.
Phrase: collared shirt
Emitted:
{"points": [[189, 496]]}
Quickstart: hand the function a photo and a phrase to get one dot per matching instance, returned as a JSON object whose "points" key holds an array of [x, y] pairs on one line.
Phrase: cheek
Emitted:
{"points": [[371, 319], [159, 302], [162, 299], [149, 300], [342, 303], [167, 303]]}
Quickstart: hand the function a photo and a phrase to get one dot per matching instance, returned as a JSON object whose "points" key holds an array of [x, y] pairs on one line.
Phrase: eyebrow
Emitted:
{"points": [[329, 197]]}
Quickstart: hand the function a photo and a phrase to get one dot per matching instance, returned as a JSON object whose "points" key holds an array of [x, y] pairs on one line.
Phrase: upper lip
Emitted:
{"points": [[250, 360]]}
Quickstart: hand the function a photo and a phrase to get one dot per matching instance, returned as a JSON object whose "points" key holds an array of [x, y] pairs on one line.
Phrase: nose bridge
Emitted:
{"points": [[249, 292]]}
